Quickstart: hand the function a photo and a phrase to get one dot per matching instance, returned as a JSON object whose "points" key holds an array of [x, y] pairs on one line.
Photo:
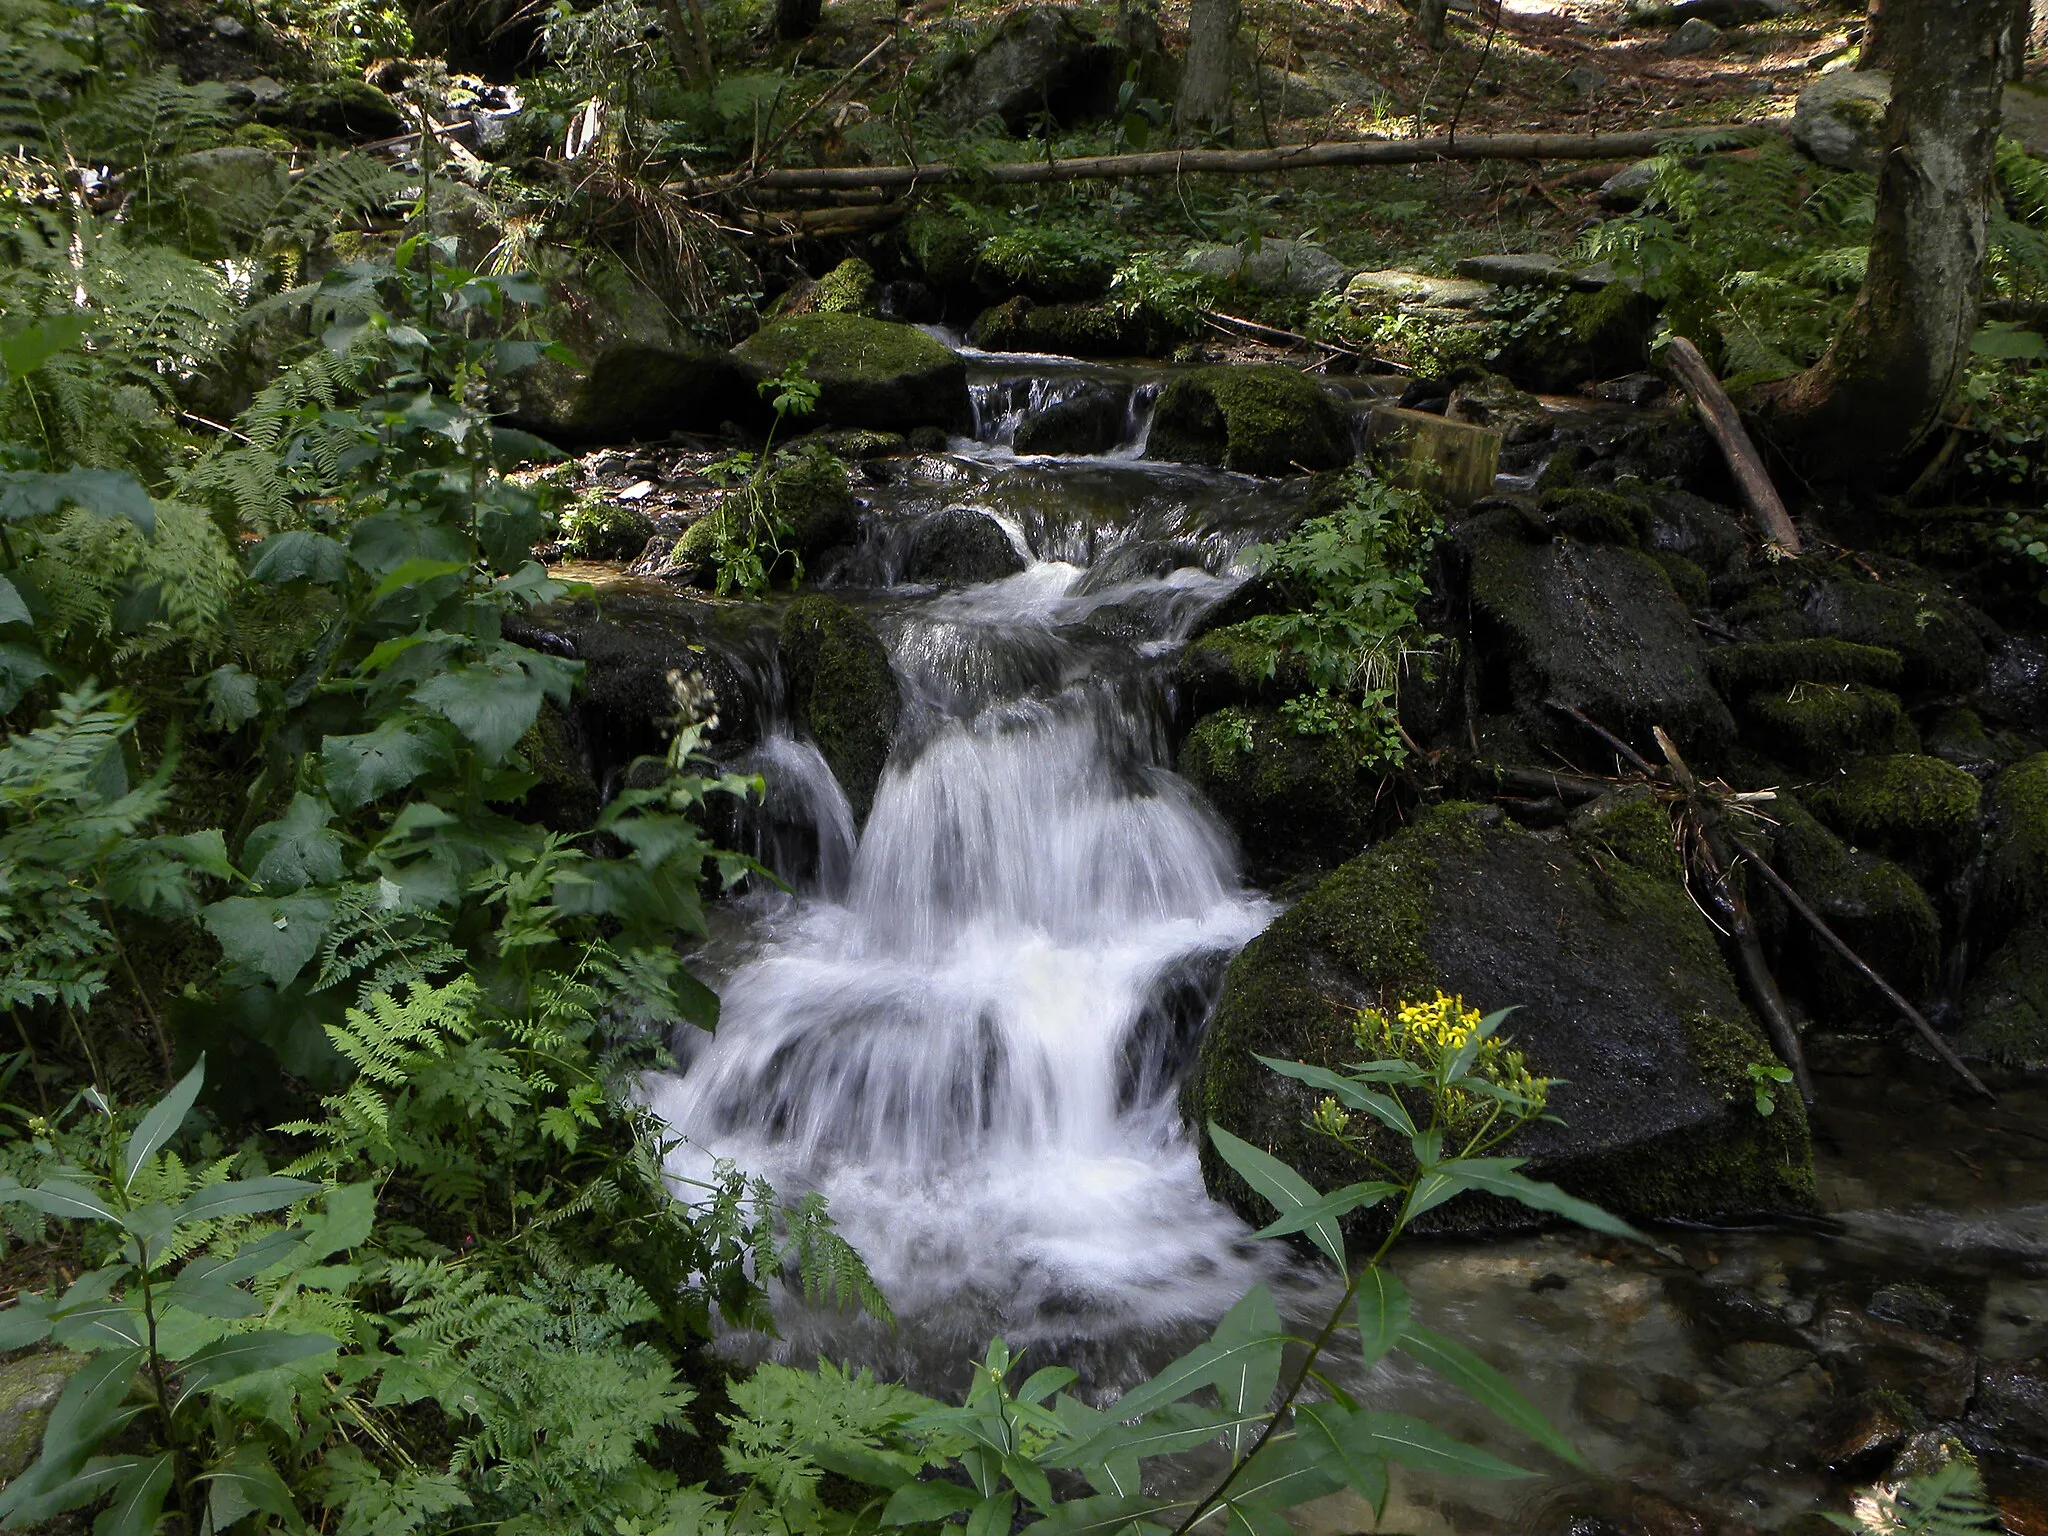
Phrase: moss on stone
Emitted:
{"points": [[943, 246], [870, 373], [1071, 330], [605, 530], [1237, 665], [1686, 578], [1933, 633], [1817, 725], [1624, 993], [843, 691], [2005, 1007], [1755, 664], [813, 498], [29, 1388], [1597, 516], [1634, 828], [1295, 802], [1873, 904], [1915, 809], [2016, 881], [848, 289], [1262, 419]]}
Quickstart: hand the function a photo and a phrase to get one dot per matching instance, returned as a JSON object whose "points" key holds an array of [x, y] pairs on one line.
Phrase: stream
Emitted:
{"points": [[966, 1025]]}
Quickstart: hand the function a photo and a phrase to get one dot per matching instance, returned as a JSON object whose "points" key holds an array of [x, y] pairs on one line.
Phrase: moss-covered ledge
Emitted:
{"points": [[870, 373], [1620, 989]]}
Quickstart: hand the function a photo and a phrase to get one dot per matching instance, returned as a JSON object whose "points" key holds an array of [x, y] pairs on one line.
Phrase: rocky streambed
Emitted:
{"points": [[1056, 866]]}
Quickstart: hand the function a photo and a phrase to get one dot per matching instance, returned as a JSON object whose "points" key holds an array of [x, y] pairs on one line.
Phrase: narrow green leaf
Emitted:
{"points": [[1200, 1367], [1497, 1176], [1041, 1384], [1461, 1061], [1283, 1474], [245, 1484], [160, 1123], [242, 1354], [244, 1197], [90, 1407], [1463, 1369], [1165, 1431], [1333, 1206], [1383, 1107], [1383, 1306], [1247, 1385], [97, 1324], [62, 1198], [1328, 1432], [1103, 1514], [46, 1490], [138, 1499], [1415, 1443], [992, 1516], [1281, 1185]]}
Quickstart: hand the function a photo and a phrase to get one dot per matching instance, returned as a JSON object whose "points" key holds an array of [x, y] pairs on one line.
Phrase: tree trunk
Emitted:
{"points": [[1433, 16], [1881, 387], [1204, 104], [1876, 36], [2018, 41], [797, 18]]}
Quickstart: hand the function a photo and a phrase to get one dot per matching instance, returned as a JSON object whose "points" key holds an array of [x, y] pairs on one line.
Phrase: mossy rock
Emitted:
{"points": [[2016, 875], [1917, 810], [944, 247], [566, 798], [1596, 516], [29, 1388], [1071, 330], [810, 498], [1754, 664], [1957, 736], [1686, 578], [843, 692], [1817, 725], [605, 530], [960, 546], [1596, 627], [1597, 335], [1876, 908], [2005, 1006], [1935, 636], [1090, 420], [1235, 666], [870, 373], [1263, 419], [1621, 992], [848, 289], [1295, 802], [339, 108]]}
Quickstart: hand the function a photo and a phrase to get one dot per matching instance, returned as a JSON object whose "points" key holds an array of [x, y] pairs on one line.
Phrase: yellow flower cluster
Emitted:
{"points": [[1427, 1032]]}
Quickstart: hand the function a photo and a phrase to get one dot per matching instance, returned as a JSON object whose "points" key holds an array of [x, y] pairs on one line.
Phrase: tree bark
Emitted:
{"points": [[1211, 69], [1433, 16], [2019, 40], [1876, 37], [1881, 387]]}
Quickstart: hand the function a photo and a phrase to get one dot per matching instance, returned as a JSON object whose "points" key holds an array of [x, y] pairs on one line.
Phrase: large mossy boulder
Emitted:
{"points": [[1295, 801], [1041, 63], [1263, 420], [1917, 810], [1594, 626], [1071, 330], [2005, 1006], [870, 373], [637, 375], [29, 1388], [842, 690], [1237, 665], [1869, 901], [2016, 873], [1621, 994]]}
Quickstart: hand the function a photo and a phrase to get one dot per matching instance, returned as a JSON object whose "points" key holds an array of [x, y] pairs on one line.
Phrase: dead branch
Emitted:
{"points": [[1724, 424], [1178, 162]]}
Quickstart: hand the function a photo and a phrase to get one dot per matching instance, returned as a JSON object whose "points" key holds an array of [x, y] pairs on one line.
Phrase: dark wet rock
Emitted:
{"points": [[1295, 801], [1873, 904], [1040, 63], [960, 546], [1940, 642], [2012, 1401], [1761, 1362], [842, 690], [1934, 1376], [1592, 515], [567, 797], [1608, 1399], [1091, 420], [1262, 419], [1236, 666], [638, 373], [2017, 686], [2005, 1006], [1595, 627], [29, 1388], [1912, 1305], [1590, 336], [1957, 736], [1071, 330], [2016, 872], [338, 108], [1814, 726], [1915, 809], [1616, 1510], [870, 373], [1622, 994], [1295, 267], [1864, 1432], [1680, 523]]}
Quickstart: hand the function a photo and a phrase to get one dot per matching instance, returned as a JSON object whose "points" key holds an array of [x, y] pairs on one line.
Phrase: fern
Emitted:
{"points": [[1947, 1502], [141, 121]]}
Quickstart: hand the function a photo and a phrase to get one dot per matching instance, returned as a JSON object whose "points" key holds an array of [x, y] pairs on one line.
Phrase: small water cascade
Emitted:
{"points": [[967, 1027]]}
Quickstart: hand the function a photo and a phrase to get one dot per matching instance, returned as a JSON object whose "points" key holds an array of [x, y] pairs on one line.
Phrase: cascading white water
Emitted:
{"points": [[971, 1045]]}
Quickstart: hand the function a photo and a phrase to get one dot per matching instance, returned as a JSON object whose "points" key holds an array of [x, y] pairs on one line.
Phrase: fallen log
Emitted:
{"points": [[1682, 360], [1187, 162]]}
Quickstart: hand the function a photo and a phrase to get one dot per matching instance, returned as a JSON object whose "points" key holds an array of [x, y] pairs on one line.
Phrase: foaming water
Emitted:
{"points": [[970, 1042]]}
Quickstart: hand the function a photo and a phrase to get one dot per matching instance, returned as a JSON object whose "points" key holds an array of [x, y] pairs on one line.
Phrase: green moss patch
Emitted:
{"points": [[843, 691], [1915, 809], [1072, 330], [1816, 725], [605, 530], [2005, 1009], [870, 373], [1740, 669], [1295, 802], [1263, 420], [2016, 884]]}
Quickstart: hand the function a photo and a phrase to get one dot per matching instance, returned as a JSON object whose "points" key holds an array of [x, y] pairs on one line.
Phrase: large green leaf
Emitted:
{"points": [[26, 347], [1483, 1384], [494, 701], [242, 1354], [20, 670], [1497, 1176], [244, 1197], [1281, 1185], [161, 1123], [245, 1484], [1247, 1385], [299, 555], [37, 493], [1103, 1514], [12, 609], [1383, 1107], [359, 769], [1328, 1432], [138, 1498], [298, 849], [26, 1320], [917, 1503], [272, 935], [1383, 1306]]}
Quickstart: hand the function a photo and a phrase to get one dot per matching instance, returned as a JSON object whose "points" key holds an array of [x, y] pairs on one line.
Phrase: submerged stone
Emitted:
{"points": [[1620, 991], [1263, 419], [842, 689], [960, 546]]}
